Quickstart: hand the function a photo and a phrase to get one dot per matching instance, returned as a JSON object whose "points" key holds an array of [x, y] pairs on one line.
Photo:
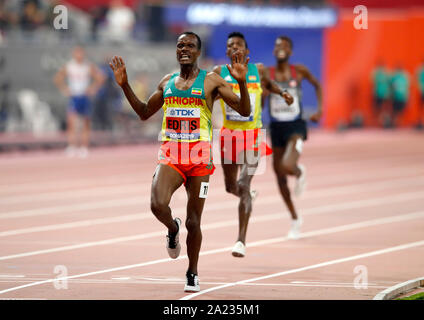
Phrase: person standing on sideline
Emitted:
{"points": [[241, 141], [381, 94], [79, 80], [288, 128], [420, 80], [185, 155], [400, 93]]}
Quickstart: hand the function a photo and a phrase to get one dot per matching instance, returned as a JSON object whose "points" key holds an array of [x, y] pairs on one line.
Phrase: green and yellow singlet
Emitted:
{"points": [[186, 117], [232, 119]]}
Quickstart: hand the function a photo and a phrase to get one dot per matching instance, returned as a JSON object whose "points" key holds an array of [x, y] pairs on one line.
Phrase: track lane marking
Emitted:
{"points": [[363, 224]]}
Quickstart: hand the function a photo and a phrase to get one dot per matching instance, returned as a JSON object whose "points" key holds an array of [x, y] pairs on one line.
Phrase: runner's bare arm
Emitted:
{"points": [[304, 71], [59, 81], [238, 71], [271, 85], [144, 110]]}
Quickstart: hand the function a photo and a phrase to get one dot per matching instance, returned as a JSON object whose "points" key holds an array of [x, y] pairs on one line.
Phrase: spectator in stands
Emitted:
{"points": [[4, 94], [400, 92], [381, 94], [108, 100], [120, 21], [420, 80], [98, 17], [31, 17], [4, 19]]}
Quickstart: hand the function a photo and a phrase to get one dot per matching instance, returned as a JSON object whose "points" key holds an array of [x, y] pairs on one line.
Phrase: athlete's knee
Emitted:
{"points": [[192, 223], [243, 188], [231, 187], [158, 206], [288, 167]]}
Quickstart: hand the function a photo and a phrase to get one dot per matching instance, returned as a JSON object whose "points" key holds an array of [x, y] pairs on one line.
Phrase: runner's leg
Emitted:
{"points": [[243, 185], [166, 181], [281, 174], [195, 206]]}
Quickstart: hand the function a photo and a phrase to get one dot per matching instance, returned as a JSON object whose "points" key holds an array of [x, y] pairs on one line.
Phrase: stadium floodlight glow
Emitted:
{"points": [[237, 15]]}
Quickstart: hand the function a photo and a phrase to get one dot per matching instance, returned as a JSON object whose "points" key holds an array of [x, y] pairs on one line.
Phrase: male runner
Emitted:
{"points": [[79, 80], [245, 150], [185, 154], [288, 129]]}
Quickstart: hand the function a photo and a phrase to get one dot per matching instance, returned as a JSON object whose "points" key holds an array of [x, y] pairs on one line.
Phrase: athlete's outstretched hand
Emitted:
{"points": [[287, 97], [119, 70], [238, 68], [316, 116]]}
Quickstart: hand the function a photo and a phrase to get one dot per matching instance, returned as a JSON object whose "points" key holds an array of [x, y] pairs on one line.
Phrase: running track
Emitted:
{"points": [[363, 208]]}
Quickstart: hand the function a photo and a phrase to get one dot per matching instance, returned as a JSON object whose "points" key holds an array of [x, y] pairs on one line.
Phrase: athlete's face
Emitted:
{"points": [[282, 50], [187, 50], [236, 44], [78, 54]]}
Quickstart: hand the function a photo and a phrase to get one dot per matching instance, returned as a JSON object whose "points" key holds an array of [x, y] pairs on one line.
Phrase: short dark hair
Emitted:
{"points": [[190, 33], [287, 39], [238, 35]]}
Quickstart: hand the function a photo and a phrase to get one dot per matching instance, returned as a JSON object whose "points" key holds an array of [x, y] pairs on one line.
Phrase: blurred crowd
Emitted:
{"points": [[109, 21], [114, 21], [392, 93]]}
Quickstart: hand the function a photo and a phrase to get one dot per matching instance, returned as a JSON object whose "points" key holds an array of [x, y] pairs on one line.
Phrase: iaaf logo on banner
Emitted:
{"points": [[186, 113]]}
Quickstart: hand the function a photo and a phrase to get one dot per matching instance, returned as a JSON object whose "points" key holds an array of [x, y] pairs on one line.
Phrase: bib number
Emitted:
{"points": [[281, 111], [233, 115]]}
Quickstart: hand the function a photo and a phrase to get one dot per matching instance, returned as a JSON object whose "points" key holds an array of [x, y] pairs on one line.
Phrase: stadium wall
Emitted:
{"points": [[394, 36]]}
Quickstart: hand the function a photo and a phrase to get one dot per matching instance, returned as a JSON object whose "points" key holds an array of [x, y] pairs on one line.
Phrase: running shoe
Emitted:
{"points": [[70, 151], [239, 250], [172, 241], [192, 283], [253, 194], [300, 181], [83, 153], [295, 228]]}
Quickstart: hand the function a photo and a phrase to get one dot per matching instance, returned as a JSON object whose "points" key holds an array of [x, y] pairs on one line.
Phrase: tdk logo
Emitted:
{"points": [[183, 112]]}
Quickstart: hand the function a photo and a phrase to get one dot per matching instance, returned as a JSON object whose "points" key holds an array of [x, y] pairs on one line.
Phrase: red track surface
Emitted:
{"points": [[365, 197]]}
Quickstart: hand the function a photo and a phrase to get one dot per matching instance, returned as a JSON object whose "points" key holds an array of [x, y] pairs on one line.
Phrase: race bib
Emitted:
{"points": [[204, 188], [183, 123], [233, 115], [281, 111]]}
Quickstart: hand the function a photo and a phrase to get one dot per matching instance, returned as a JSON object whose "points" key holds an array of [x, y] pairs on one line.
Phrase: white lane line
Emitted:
{"points": [[275, 216], [369, 223], [314, 266], [318, 193], [69, 183], [69, 208], [77, 194], [12, 276], [117, 190]]}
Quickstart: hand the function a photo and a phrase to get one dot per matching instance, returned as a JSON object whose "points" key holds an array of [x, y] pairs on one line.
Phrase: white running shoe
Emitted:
{"points": [[239, 250], [173, 242], [301, 181], [83, 152], [70, 151], [295, 228], [253, 194], [192, 283]]}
